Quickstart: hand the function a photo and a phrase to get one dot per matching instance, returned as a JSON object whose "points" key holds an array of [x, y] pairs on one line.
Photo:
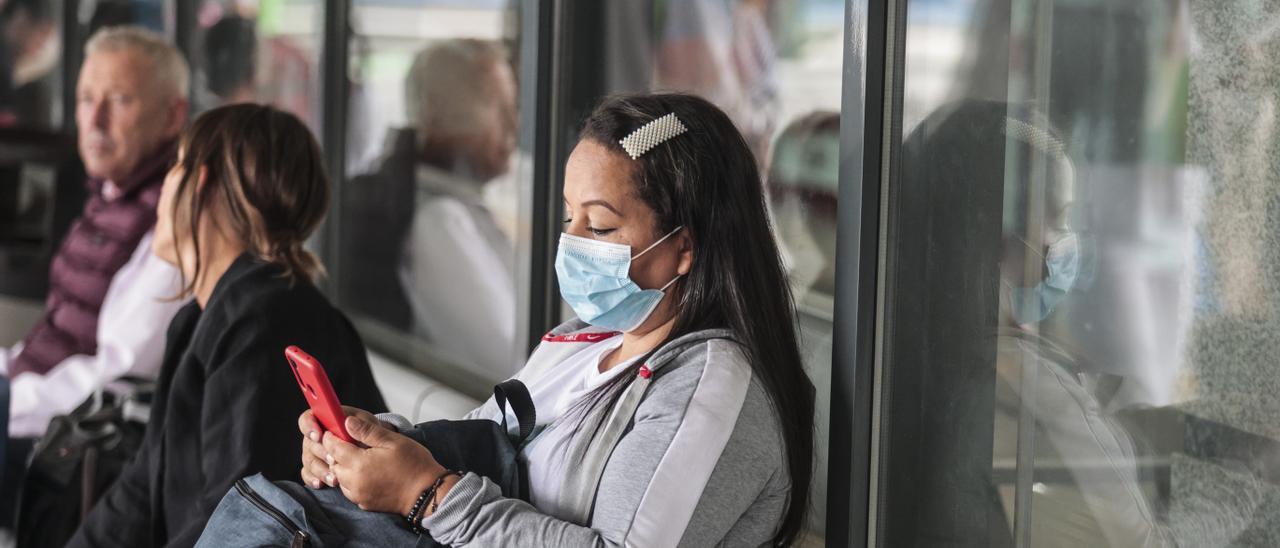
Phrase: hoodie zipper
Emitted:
{"points": [[300, 537]]}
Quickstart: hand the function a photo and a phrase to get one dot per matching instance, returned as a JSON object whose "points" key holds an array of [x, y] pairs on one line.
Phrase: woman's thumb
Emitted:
{"points": [[366, 432]]}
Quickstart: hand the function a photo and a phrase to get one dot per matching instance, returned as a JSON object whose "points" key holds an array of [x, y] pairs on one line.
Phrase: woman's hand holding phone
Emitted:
{"points": [[384, 471], [315, 466]]}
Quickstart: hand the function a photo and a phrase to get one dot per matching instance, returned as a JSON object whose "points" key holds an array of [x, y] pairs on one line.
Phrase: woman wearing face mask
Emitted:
{"points": [[674, 410], [248, 189]]}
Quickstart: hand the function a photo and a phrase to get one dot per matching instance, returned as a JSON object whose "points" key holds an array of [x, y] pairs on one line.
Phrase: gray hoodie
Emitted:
{"points": [[692, 455]]}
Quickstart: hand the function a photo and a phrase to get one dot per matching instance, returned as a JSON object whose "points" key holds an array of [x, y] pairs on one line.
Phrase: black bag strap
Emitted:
{"points": [[514, 392]]}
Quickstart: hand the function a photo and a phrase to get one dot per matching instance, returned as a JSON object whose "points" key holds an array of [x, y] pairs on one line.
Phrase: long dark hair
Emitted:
{"points": [[265, 170], [707, 181]]}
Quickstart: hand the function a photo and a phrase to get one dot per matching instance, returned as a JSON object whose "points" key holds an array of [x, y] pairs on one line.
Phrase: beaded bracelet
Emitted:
{"points": [[414, 517], [417, 507]]}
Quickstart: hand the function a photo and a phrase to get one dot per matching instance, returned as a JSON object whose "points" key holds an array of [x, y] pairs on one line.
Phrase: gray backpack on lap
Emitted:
{"points": [[259, 512]]}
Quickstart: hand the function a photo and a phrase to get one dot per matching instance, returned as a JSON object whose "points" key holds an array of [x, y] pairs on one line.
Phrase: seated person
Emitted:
{"points": [[109, 297], [107, 305], [435, 258], [230, 62], [248, 189], [714, 445]]}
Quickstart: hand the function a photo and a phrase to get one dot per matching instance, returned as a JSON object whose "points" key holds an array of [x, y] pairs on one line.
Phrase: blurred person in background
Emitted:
{"points": [[30, 50], [231, 61], [432, 258], [109, 297], [726, 52]]}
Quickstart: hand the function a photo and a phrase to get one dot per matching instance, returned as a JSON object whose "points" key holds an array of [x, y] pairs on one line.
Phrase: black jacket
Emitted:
{"points": [[227, 405]]}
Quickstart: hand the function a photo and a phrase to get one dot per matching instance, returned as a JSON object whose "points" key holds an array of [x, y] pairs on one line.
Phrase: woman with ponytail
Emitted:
{"points": [[248, 189]]}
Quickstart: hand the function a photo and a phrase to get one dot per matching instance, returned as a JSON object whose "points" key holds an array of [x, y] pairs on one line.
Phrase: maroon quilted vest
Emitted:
{"points": [[98, 244]]}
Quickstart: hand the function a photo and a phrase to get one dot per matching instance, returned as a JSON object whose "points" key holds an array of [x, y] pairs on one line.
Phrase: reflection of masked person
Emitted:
{"points": [[1030, 305], [1036, 376], [1051, 247], [986, 216]]}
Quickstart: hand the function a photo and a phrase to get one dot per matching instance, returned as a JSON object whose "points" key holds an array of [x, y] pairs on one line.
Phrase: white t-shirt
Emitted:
{"points": [[554, 394]]}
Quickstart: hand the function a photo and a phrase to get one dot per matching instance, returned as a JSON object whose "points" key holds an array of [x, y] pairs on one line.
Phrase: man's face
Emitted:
{"points": [[494, 140], [121, 113]]}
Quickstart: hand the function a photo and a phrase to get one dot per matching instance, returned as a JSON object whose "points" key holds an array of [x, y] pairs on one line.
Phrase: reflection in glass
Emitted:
{"points": [[30, 59], [457, 265], [1082, 309], [264, 51], [428, 223], [802, 188], [725, 52], [231, 60], [803, 181]]}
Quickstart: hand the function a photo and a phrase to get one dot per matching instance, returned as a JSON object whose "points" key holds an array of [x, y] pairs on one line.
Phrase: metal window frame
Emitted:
{"points": [[184, 32], [72, 57], [334, 89], [542, 50], [870, 118], [888, 521]]}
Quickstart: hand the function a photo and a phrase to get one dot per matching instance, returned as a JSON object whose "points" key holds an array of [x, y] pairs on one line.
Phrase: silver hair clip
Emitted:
{"points": [[1039, 138], [652, 134]]}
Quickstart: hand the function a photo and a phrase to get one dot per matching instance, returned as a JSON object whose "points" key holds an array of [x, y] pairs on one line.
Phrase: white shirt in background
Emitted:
{"points": [[132, 325], [458, 270]]}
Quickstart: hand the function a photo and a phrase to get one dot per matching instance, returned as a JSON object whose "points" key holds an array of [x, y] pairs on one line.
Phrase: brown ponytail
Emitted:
{"points": [[264, 170]]}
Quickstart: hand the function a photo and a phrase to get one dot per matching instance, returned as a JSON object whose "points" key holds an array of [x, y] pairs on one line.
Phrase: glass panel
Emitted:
{"points": [[32, 202], [427, 256], [31, 62], [775, 68], [41, 177], [1082, 313], [264, 51]]}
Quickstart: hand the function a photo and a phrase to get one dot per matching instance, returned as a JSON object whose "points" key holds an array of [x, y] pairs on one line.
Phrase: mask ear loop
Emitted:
{"points": [[655, 244]]}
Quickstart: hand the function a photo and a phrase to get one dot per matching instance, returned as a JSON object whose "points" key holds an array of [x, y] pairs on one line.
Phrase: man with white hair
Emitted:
{"points": [[109, 297], [420, 232]]}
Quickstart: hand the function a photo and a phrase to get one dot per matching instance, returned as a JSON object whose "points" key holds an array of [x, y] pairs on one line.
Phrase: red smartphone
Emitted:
{"points": [[315, 386]]}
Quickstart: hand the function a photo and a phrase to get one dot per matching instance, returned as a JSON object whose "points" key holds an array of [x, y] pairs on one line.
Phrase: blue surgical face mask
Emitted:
{"points": [[594, 280], [1031, 305]]}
